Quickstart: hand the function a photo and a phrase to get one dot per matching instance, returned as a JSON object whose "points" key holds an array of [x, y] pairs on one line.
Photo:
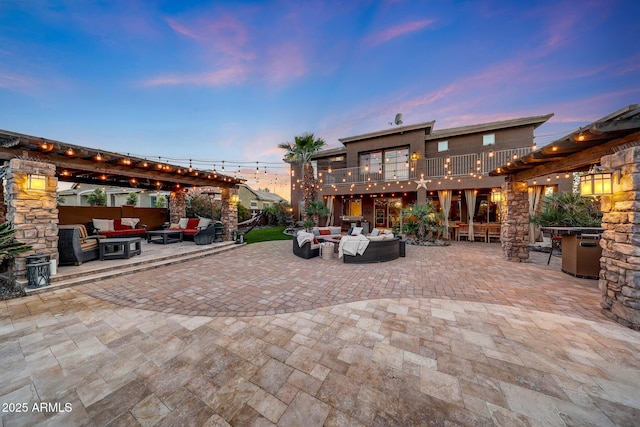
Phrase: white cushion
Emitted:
{"points": [[204, 223], [356, 231], [103, 224], [388, 236], [375, 232], [131, 222], [183, 222], [375, 238]]}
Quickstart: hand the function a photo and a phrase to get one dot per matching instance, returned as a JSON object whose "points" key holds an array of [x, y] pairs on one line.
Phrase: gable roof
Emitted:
{"points": [[487, 127], [391, 131]]}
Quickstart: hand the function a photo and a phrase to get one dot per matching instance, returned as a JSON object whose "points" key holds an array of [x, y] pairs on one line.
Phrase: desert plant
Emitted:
{"points": [[9, 248], [315, 209], [568, 210], [301, 150], [161, 202], [423, 221]]}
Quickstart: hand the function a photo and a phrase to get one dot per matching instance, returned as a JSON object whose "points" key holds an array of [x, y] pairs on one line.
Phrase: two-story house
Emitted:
{"points": [[374, 176]]}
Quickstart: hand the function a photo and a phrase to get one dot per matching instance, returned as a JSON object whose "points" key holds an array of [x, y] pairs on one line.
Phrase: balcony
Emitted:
{"points": [[363, 174], [434, 167]]}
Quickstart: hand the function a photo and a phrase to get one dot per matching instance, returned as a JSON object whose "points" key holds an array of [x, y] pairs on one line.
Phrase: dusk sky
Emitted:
{"points": [[213, 81]]}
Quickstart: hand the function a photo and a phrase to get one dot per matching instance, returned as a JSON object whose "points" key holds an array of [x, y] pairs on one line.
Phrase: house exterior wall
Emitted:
{"points": [[466, 152]]}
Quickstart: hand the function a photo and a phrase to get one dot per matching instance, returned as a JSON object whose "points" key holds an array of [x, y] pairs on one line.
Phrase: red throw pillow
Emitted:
{"points": [[315, 241], [324, 232], [117, 225], [193, 223]]}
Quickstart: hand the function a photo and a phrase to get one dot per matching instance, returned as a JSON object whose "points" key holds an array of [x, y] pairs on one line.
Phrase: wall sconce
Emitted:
{"points": [[597, 184], [414, 156], [36, 182], [234, 199], [496, 195]]}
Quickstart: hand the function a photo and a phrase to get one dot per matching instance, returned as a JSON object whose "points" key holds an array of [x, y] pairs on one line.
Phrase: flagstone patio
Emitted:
{"points": [[256, 336]]}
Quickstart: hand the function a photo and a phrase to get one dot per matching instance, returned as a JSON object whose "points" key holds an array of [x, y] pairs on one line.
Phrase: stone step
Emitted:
{"points": [[67, 280]]}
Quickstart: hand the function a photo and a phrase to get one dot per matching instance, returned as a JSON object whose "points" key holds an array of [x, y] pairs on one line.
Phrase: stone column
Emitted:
{"points": [[33, 212], [177, 206], [515, 221], [620, 262], [229, 213]]}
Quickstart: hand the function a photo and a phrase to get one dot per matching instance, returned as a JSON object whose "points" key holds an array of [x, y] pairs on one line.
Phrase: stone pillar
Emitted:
{"points": [[515, 221], [3, 206], [229, 213], [177, 206], [620, 262], [33, 212]]}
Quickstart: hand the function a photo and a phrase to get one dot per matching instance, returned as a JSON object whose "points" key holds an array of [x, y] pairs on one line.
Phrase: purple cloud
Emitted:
{"points": [[396, 31]]}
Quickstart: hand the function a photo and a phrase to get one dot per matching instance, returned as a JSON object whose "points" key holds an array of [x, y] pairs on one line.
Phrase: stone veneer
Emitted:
{"points": [[177, 206], [620, 262], [34, 213], [515, 221], [229, 213]]}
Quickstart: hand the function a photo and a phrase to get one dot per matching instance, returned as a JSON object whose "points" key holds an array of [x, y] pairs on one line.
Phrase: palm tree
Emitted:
{"points": [[301, 150]]}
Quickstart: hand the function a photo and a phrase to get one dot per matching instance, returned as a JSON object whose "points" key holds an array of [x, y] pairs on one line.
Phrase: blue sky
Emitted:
{"points": [[230, 80]]}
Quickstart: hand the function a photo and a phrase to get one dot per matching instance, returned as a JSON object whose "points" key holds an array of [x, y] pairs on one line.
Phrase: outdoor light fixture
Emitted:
{"points": [[36, 182], [496, 195], [234, 198], [596, 182]]}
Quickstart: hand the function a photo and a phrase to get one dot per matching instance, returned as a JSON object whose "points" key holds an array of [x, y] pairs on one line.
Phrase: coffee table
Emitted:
{"points": [[164, 236], [119, 248], [335, 241]]}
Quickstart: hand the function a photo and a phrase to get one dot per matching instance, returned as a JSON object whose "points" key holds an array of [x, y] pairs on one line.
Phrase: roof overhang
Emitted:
{"points": [[85, 165], [386, 132], [578, 150], [534, 121]]}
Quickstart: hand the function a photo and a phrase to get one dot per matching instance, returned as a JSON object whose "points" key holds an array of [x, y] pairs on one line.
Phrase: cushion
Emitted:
{"points": [[349, 232], [118, 225], [203, 223], [176, 225], [82, 231], [103, 224], [375, 232], [183, 222], [325, 232], [376, 238], [356, 231], [315, 241], [193, 223], [315, 232], [388, 236], [130, 222]]}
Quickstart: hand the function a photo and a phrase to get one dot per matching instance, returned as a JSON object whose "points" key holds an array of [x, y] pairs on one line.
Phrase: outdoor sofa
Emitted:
{"points": [[119, 227], [322, 233], [75, 246], [381, 248], [191, 226], [305, 245]]}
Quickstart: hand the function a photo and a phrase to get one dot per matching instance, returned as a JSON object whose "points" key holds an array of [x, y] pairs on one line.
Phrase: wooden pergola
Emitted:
{"points": [[613, 144], [86, 165]]}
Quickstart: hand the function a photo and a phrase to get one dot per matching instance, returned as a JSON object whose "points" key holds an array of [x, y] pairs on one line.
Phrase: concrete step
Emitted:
{"points": [[101, 273]]}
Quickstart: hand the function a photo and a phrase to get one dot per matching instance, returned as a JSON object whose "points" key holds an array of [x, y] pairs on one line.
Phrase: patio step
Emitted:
{"points": [[67, 280]]}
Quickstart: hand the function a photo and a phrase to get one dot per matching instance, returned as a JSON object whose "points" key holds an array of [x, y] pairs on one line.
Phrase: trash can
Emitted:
{"points": [[217, 231], [38, 270], [581, 255], [403, 248], [366, 229]]}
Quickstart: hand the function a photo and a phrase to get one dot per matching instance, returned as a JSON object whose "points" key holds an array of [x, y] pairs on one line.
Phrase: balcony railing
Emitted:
{"points": [[364, 174], [436, 167], [475, 163]]}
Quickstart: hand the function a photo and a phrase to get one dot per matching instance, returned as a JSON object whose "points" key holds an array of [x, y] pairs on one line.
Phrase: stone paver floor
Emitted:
{"points": [[256, 336]]}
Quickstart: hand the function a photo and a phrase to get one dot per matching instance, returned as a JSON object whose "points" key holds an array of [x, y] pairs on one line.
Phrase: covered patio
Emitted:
{"points": [[610, 145], [34, 165]]}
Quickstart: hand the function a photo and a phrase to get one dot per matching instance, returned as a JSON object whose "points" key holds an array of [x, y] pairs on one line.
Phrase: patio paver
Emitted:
{"points": [[257, 336]]}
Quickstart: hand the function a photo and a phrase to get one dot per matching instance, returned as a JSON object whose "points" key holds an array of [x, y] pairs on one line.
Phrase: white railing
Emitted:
{"points": [[364, 174], [475, 163]]}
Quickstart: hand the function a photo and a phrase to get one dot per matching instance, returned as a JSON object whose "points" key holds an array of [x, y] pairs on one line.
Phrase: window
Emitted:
{"points": [[253, 204], [396, 164], [489, 139], [443, 146], [371, 163], [266, 204]]}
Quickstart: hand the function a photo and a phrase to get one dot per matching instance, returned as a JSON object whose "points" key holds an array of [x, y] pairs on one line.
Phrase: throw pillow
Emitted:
{"points": [[356, 231], [315, 232], [325, 232], [350, 231], [103, 224], [375, 232], [176, 225], [118, 225], [204, 223], [192, 223], [315, 241], [183, 222]]}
